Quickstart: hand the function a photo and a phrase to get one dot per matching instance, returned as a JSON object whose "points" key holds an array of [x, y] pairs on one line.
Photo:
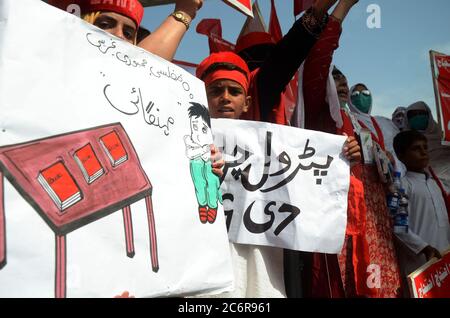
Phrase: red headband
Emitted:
{"points": [[240, 75], [130, 8]]}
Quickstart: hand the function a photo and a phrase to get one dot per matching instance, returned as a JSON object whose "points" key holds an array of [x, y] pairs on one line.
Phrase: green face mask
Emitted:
{"points": [[418, 122], [362, 102]]}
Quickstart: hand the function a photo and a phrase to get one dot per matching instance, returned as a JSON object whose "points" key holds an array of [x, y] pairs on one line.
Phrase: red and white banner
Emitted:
{"points": [[245, 6], [432, 280], [441, 79]]}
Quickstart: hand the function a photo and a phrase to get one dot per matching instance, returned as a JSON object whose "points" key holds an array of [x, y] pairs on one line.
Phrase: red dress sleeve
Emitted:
{"points": [[315, 78]]}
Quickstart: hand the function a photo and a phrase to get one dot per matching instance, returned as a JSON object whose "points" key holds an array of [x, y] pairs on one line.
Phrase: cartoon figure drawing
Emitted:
{"points": [[198, 151]]}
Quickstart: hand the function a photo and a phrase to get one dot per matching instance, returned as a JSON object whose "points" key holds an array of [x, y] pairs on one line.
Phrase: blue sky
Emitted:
{"points": [[393, 61]]}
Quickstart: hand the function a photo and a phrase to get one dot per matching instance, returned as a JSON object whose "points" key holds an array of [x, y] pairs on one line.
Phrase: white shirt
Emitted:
{"points": [[258, 272], [428, 220], [389, 132]]}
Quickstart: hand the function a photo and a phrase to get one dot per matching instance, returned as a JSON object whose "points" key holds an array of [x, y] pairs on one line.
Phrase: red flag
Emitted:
{"points": [[209, 27], [441, 78], [274, 24], [301, 5], [212, 28], [245, 6]]}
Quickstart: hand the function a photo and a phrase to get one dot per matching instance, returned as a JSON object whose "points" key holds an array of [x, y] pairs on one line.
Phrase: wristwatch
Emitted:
{"points": [[181, 16]]}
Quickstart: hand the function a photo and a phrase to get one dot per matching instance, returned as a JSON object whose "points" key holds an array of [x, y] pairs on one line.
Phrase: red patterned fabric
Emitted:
{"points": [[379, 234], [369, 232], [378, 230], [354, 258]]}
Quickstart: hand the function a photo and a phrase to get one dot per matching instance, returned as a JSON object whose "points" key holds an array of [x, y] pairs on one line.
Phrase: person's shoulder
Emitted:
{"points": [[407, 182]]}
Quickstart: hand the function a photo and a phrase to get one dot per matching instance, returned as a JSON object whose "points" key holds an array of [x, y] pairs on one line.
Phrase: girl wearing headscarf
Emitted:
{"points": [[421, 119], [378, 222], [360, 103], [369, 232], [399, 118]]}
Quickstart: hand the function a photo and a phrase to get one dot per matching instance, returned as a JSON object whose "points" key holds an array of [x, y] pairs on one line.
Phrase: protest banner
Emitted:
{"points": [[283, 186], [97, 144], [440, 66], [432, 279]]}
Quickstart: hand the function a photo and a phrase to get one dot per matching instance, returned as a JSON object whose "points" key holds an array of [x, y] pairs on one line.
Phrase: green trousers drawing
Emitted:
{"points": [[206, 183]]}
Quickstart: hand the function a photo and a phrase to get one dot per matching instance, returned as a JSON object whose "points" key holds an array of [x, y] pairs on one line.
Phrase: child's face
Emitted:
{"points": [[227, 99], [118, 25], [341, 86], [200, 132], [416, 157]]}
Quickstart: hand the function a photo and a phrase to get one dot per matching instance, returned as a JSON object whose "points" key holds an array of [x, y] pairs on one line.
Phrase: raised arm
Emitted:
{"points": [[317, 68], [288, 55], [165, 39]]}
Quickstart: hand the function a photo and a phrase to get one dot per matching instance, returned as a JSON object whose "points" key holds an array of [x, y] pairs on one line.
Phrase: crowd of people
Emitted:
{"points": [[411, 140]]}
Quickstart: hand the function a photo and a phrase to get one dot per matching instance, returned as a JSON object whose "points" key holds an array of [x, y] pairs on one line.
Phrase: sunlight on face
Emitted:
{"points": [[118, 25], [227, 99]]}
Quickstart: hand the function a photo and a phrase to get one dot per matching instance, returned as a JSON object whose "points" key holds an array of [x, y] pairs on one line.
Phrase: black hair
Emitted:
{"points": [[361, 84], [199, 110], [223, 66], [405, 139], [336, 71]]}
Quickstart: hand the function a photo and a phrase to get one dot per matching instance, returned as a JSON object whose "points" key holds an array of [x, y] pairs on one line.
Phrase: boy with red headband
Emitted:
{"points": [[227, 81], [226, 78]]}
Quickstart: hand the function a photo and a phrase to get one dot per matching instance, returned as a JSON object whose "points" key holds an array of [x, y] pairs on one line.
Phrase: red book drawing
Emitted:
{"points": [[89, 164], [48, 173], [60, 185], [114, 148]]}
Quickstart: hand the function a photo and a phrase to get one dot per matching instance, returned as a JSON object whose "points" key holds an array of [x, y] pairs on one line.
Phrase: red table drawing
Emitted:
{"points": [[74, 179]]}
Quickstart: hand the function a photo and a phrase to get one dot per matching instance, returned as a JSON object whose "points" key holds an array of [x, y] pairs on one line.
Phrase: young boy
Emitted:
{"points": [[258, 269], [429, 229]]}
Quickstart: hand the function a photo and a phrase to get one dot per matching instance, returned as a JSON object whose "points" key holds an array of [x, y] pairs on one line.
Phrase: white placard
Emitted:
{"points": [[284, 186], [61, 75]]}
